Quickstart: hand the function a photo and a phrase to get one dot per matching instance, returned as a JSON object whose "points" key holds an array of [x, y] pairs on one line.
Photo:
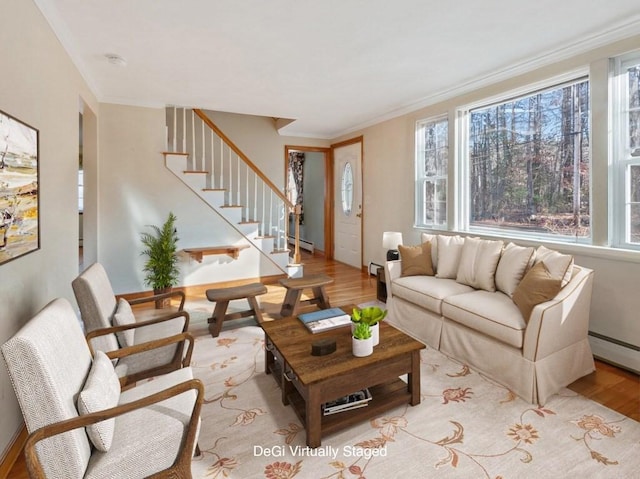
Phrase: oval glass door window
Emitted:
{"points": [[347, 189]]}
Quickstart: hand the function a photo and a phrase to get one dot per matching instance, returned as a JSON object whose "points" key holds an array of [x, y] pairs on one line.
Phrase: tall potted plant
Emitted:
{"points": [[161, 251]]}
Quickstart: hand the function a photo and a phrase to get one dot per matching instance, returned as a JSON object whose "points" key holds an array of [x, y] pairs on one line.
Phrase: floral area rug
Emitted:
{"points": [[466, 426]]}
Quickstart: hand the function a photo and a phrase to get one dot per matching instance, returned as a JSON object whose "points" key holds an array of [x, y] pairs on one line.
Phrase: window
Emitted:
{"points": [[527, 164], [432, 154], [346, 185], [626, 193]]}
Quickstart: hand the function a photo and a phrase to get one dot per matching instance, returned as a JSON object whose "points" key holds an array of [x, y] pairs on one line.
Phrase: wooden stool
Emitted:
{"points": [[295, 286], [222, 296]]}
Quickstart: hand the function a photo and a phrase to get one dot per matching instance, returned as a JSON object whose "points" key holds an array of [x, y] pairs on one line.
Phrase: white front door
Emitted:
{"points": [[347, 174]]}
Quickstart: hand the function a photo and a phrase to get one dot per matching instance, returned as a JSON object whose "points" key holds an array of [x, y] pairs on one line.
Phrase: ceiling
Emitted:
{"points": [[333, 66]]}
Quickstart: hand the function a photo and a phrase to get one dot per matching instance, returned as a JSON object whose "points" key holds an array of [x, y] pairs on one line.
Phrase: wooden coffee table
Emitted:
{"points": [[309, 381]]}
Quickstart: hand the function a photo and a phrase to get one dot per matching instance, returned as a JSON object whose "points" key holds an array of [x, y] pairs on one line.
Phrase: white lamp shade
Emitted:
{"points": [[391, 239]]}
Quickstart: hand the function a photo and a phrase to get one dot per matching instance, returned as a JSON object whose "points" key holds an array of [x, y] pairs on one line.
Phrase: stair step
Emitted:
{"points": [[275, 251], [200, 172], [214, 189], [249, 222], [165, 153], [265, 237], [232, 206]]}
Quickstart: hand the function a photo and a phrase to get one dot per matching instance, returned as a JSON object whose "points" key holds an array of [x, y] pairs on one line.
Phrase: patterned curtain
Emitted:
{"points": [[296, 169]]}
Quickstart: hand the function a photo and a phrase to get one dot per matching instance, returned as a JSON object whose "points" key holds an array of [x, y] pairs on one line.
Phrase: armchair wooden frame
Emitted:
{"points": [[158, 297], [180, 358], [181, 468]]}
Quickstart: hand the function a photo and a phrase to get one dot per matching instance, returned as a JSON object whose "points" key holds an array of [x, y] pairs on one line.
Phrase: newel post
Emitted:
{"points": [[296, 252]]}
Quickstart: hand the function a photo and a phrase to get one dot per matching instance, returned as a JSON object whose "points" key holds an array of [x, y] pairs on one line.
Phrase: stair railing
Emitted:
{"points": [[191, 131]]}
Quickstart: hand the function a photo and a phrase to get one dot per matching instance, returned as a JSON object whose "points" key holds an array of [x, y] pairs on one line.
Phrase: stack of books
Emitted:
{"points": [[325, 319], [355, 400]]}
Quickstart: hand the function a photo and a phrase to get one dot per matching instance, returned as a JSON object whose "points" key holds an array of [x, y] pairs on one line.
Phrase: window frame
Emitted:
{"points": [[463, 197], [621, 160], [421, 180]]}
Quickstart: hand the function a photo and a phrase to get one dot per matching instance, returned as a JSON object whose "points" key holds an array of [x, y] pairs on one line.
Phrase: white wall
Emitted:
{"points": [[40, 86], [135, 189], [388, 176]]}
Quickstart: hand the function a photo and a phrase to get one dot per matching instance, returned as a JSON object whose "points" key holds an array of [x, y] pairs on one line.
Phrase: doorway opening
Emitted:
{"points": [[308, 183]]}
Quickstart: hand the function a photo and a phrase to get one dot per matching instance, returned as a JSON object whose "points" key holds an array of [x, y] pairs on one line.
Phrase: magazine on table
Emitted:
{"points": [[354, 400], [325, 319]]}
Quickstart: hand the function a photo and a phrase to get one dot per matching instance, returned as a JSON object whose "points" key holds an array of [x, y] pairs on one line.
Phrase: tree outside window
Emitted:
{"points": [[627, 156], [528, 163], [432, 155]]}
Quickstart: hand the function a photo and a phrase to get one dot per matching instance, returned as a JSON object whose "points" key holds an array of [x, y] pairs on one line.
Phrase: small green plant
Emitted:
{"points": [[160, 248], [370, 315], [362, 331]]}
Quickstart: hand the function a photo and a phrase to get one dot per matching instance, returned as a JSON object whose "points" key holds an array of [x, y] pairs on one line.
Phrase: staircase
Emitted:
{"points": [[217, 171]]}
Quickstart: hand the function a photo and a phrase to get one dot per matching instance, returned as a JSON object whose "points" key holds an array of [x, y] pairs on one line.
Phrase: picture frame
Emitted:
{"points": [[19, 188]]}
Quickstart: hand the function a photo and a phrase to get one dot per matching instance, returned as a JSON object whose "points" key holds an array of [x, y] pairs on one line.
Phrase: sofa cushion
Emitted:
{"points": [[416, 260], [478, 263], [427, 291], [101, 391], [124, 317], [537, 286], [559, 265], [493, 314], [449, 251], [514, 263], [433, 239]]}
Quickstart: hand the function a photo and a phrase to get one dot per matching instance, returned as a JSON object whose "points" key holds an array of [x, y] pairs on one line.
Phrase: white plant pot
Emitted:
{"points": [[362, 347], [375, 334]]}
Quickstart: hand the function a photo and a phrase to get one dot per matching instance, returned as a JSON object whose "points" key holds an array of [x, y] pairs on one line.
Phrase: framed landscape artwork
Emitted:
{"points": [[19, 181]]}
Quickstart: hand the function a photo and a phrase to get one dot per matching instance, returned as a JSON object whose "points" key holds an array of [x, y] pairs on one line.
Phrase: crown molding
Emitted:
{"points": [[612, 34], [61, 31]]}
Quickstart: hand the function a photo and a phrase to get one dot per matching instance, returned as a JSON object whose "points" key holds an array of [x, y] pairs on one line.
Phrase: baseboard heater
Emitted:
{"points": [[615, 351], [304, 244]]}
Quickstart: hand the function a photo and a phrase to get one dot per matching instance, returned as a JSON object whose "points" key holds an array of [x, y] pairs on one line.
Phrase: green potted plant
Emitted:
{"points": [[161, 251], [362, 341], [371, 315]]}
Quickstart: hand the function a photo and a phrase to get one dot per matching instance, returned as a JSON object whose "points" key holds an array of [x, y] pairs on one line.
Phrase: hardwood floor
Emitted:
{"points": [[610, 386]]}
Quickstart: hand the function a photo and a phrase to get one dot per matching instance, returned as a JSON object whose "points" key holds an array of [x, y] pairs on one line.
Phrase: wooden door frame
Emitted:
{"points": [[351, 141], [328, 190]]}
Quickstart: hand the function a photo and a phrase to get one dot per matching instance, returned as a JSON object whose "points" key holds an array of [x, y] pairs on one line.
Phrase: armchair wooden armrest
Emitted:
{"points": [[155, 297], [157, 343], [139, 324], [181, 466], [180, 359]]}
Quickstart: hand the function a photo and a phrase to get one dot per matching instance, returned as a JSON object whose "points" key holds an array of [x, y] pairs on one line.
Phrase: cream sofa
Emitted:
{"points": [[467, 311]]}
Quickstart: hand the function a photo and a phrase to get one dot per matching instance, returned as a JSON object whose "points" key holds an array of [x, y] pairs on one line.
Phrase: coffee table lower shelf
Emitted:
{"points": [[384, 397]]}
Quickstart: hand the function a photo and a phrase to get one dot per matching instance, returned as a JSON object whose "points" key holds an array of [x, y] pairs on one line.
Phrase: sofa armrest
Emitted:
{"points": [[562, 321], [393, 270]]}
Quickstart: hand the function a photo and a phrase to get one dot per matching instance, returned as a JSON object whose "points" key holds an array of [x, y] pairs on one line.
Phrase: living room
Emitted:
{"points": [[127, 184]]}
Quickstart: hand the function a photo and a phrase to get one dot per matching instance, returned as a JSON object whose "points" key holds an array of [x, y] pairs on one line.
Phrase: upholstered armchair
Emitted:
{"points": [[111, 324], [80, 422]]}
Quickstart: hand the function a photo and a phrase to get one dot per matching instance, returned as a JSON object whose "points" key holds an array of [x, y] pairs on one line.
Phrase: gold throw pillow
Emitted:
{"points": [[416, 260], [536, 287]]}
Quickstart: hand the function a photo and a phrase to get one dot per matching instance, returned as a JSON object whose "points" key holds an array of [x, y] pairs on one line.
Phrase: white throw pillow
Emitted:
{"points": [[514, 263], [449, 251], [478, 263], [433, 239], [124, 316], [559, 265], [101, 391]]}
